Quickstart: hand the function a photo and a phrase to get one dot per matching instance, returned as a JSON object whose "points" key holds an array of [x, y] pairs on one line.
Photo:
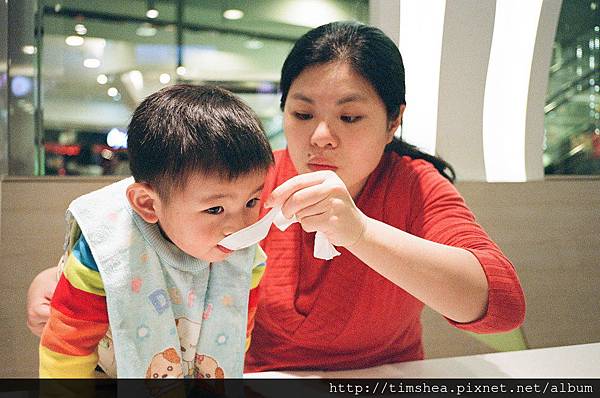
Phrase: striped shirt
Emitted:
{"points": [[79, 316]]}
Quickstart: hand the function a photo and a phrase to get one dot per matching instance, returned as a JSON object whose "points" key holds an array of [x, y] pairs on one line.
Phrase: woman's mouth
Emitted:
{"points": [[321, 166], [224, 249]]}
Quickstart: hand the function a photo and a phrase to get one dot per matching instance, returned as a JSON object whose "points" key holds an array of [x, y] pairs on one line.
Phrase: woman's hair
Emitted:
{"points": [[371, 54], [184, 129]]}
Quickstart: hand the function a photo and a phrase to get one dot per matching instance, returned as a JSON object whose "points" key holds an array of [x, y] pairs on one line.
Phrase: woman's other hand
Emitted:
{"points": [[39, 296], [321, 202]]}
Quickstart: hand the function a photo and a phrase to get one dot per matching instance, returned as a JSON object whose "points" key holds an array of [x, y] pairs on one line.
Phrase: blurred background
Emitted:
{"points": [[506, 90], [95, 61], [83, 66]]}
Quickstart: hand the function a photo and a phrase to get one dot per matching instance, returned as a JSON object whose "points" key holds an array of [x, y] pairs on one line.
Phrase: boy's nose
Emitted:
{"points": [[234, 224]]}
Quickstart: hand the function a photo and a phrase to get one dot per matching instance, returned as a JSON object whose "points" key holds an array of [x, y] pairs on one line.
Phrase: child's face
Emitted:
{"points": [[207, 210]]}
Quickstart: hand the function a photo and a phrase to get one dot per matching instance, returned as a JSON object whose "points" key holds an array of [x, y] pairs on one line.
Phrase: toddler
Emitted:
{"points": [[146, 288]]}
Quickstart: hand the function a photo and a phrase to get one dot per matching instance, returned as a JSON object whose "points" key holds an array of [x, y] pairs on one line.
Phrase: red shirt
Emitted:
{"points": [[340, 314]]}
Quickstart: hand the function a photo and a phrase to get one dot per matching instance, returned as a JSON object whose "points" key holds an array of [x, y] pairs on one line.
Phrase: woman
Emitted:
{"points": [[405, 235]]}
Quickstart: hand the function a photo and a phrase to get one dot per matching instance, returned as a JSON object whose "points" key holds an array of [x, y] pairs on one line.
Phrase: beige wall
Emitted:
{"points": [[32, 234], [550, 230]]}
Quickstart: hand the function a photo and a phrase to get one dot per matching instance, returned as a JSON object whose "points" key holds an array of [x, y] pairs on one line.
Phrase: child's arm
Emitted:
{"points": [[257, 273], [78, 319]]}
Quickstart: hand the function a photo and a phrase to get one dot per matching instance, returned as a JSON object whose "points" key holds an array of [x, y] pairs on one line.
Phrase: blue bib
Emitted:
{"points": [[170, 314]]}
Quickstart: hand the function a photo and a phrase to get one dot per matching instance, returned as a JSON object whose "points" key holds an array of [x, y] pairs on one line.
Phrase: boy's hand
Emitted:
{"points": [[39, 296]]}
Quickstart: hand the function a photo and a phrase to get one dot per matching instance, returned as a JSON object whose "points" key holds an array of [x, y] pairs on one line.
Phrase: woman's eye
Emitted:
{"points": [[302, 116], [350, 119], [252, 203], [215, 210]]}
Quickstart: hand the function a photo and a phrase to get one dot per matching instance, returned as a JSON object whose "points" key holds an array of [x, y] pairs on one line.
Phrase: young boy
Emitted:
{"points": [[143, 254]]}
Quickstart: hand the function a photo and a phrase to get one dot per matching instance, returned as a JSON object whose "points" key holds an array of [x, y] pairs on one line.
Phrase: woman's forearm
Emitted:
{"points": [[450, 280], [39, 296]]}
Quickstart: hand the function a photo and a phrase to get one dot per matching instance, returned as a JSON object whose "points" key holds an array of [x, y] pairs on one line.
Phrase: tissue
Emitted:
{"points": [[258, 231]]}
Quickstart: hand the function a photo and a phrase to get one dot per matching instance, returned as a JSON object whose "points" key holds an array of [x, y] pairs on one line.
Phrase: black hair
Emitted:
{"points": [[371, 54], [184, 129]]}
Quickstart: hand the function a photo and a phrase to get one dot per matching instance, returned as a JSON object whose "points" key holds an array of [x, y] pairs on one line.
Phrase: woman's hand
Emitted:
{"points": [[448, 279], [321, 202], [39, 296]]}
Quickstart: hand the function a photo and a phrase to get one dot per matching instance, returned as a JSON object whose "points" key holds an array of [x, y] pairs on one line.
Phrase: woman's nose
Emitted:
{"points": [[323, 137]]}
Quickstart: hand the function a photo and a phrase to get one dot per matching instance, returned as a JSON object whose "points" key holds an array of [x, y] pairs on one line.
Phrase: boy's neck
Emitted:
{"points": [[164, 235]]}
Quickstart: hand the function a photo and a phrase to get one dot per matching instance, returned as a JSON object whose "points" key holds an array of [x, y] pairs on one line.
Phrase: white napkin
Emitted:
{"points": [[258, 231]]}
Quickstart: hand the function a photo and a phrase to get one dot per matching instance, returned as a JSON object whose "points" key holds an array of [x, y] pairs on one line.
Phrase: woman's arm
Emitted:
{"points": [[449, 279], [39, 296]]}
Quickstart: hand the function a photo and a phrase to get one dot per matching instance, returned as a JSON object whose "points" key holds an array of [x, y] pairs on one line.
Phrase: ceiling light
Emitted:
{"points": [[151, 12], [29, 50], [91, 63], [164, 78], [80, 29], [74, 41], [181, 70], [102, 79], [253, 44], [146, 30], [112, 92], [233, 14]]}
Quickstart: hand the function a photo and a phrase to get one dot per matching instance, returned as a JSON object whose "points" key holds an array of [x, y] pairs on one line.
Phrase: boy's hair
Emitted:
{"points": [[184, 129]]}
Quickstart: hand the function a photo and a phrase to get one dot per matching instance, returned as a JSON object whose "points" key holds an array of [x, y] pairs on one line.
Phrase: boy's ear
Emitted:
{"points": [[143, 200]]}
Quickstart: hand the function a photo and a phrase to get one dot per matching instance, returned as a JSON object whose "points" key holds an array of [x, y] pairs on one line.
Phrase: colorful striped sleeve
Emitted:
{"points": [[78, 319], [257, 273]]}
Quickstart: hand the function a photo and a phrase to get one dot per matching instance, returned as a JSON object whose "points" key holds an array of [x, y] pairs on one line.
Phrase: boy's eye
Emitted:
{"points": [[350, 119], [302, 116], [215, 210], [252, 203]]}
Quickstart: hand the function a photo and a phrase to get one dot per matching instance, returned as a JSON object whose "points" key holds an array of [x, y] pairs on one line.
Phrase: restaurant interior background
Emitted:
{"points": [[72, 71]]}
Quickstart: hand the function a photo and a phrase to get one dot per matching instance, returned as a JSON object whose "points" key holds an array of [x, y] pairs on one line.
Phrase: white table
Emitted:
{"points": [[576, 361]]}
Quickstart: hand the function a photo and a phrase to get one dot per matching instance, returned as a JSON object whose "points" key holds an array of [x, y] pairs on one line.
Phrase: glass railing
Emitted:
{"points": [[572, 110]]}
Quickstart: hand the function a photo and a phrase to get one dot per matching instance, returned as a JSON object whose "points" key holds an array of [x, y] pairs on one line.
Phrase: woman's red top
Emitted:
{"points": [[340, 314]]}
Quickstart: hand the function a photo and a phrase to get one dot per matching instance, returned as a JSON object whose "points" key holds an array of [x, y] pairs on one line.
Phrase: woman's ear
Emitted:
{"points": [[143, 200], [394, 124]]}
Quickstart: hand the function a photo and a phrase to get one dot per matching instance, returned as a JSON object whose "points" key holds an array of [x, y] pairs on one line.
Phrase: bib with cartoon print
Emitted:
{"points": [[170, 314]]}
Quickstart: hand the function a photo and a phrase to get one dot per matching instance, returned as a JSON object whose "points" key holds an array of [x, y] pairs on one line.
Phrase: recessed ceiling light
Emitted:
{"points": [[181, 70], [112, 92], [80, 29], [152, 13], [233, 14], [91, 63], [102, 79], [29, 50], [164, 78], [74, 41]]}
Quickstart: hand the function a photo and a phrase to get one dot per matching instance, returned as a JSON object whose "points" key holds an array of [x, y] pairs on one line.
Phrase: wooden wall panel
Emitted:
{"points": [[550, 230]]}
